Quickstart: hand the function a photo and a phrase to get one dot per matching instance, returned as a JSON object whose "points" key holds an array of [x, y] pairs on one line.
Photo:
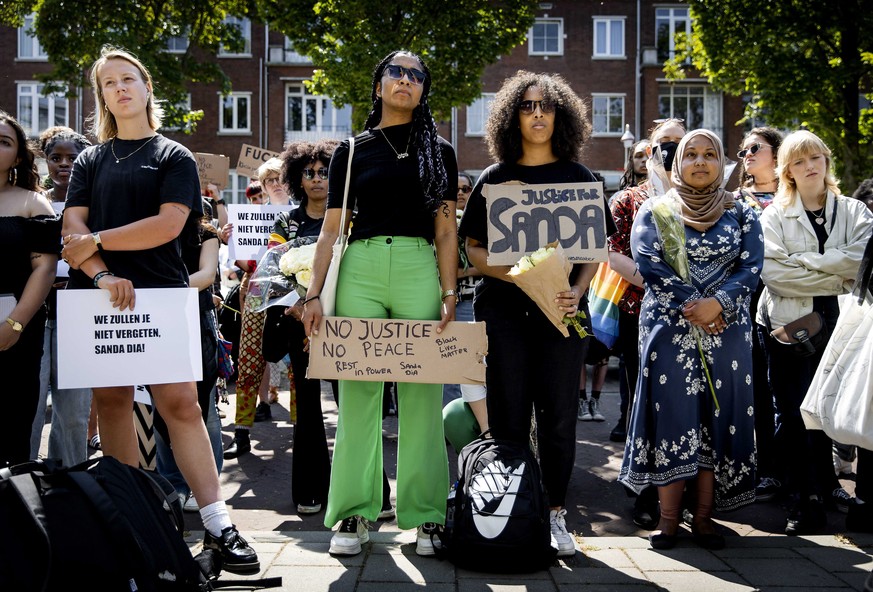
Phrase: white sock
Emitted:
{"points": [[215, 518]]}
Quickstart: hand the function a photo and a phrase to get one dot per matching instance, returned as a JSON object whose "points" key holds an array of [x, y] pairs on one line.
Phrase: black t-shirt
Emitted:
{"points": [[119, 193], [296, 223], [385, 190], [474, 223]]}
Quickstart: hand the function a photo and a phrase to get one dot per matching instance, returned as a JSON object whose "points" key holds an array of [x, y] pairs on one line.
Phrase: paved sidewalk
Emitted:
{"points": [[613, 555], [389, 563]]}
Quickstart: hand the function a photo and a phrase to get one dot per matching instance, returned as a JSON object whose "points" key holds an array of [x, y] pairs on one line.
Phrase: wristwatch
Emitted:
{"points": [[97, 241], [447, 293], [16, 326]]}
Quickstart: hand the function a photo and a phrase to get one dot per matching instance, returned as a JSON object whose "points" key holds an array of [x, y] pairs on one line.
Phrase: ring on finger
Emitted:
{"points": [[711, 325]]}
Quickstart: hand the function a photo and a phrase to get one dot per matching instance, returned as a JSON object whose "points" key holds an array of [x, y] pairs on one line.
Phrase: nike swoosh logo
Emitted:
{"points": [[490, 526]]}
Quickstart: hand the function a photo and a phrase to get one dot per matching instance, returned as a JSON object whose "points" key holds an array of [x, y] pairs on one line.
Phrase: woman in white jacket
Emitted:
{"points": [[814, 239]]}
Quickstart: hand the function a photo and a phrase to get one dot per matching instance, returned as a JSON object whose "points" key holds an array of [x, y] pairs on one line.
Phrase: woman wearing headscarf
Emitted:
{"points": [[692, 417]]}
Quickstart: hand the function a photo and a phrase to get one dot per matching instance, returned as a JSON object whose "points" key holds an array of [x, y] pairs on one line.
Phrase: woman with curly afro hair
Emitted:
{"points": [[536, 131]]}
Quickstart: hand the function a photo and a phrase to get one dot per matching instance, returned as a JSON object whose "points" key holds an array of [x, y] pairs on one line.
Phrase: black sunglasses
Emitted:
{"points": [[309, 174], [753, 149], [528, 107], [465, 188], [396, 72]]}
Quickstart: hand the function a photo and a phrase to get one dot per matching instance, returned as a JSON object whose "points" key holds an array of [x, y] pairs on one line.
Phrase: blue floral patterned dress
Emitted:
{"points": [[674, 425]]}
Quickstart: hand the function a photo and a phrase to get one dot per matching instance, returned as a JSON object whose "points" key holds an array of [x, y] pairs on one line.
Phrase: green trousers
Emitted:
{"points": [[384, 278]]}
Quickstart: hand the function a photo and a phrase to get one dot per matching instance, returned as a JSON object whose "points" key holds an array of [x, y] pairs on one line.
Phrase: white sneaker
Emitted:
{"points": [[387, 513], [308, 508], [424, 546], [182, 501], [594, 410], [561, 539], [190, 504], [351, 535], [584, 411]]}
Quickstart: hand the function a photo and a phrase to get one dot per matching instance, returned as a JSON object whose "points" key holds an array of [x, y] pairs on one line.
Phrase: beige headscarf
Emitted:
{"points": [[701, 208]]}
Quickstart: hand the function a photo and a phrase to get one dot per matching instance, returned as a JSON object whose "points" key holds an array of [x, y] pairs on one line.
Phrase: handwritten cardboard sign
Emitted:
{"points": [[522, 218], [212, 168], [396, 350], [156, 343], [252, 225], [252, 157]]}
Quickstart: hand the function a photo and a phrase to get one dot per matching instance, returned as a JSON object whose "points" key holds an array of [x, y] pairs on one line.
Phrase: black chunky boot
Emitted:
{"points": [[239, 445]]}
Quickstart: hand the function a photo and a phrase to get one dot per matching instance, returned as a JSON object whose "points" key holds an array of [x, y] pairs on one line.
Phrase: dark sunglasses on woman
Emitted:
{"points": [[465, 189], [396, 72], [528, 107], [753, 149], [309, 174]]}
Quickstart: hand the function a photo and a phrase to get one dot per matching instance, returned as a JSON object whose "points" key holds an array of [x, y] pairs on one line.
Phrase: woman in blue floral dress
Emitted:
{"points": [[677, 432]]}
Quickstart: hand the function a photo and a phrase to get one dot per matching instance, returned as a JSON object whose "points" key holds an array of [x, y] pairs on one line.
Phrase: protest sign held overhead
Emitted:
{"points": [[522, 218], [397, 350], [252, 225], [252, 157], [157, 342]]}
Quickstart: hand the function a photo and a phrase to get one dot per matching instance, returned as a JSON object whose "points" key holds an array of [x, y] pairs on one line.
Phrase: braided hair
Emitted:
{"points": [[431, 168], [50, 137]]}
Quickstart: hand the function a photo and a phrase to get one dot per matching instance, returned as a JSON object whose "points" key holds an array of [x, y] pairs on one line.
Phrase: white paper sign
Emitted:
{"points": [[156, 343], [252, 225]]}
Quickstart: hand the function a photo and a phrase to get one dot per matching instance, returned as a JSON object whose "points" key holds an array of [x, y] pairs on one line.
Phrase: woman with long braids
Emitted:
{"points": [[403, 191]]}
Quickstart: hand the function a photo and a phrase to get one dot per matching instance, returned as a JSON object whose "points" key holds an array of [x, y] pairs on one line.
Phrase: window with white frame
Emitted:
{"points": [[236, 110], [245, 29], [477, 114], [178, 44], [309, 116], [607, 113], [38, 111], [28, 45], [698, 105], [546, 37], [668, 22], [609, 36], [235, 192]]}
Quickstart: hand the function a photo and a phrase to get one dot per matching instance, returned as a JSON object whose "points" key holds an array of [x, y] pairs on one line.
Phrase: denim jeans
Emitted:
{"points": [[463, 312], [68, 436]]}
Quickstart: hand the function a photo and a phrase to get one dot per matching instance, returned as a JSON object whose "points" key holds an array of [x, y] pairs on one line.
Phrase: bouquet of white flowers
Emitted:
{"points": [[283, 274], [541, 275]]}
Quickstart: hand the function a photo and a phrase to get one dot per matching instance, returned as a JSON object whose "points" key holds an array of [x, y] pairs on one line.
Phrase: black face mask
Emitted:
{"points": [[668, 153]]}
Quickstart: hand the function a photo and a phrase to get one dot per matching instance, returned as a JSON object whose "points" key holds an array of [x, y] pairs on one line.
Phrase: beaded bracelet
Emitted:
{"points": [[100, 275]]}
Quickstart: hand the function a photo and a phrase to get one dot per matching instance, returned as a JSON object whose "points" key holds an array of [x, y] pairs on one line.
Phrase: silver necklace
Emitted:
{"points": [[117, 159], [400, 155], [819, 216]]}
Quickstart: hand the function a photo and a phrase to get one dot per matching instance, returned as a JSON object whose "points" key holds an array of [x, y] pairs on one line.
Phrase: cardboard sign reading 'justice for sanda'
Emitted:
{"points": [[395, 350], [522, 218], [156, 343]]}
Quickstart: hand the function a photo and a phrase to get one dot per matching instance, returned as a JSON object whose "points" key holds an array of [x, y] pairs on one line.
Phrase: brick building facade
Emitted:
{"points": [[610, 52]]}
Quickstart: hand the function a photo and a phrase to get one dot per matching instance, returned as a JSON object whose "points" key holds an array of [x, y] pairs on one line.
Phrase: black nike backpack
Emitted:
{"points": [[497, 518]]}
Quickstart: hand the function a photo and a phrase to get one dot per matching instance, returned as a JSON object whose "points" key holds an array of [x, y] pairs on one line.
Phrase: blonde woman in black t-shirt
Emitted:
{"points": [[135, 192]]}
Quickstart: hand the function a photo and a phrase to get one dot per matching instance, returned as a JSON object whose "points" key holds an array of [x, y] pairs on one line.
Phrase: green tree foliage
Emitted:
{"points": [[801, 62], [72, 33], [347, 38]]}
